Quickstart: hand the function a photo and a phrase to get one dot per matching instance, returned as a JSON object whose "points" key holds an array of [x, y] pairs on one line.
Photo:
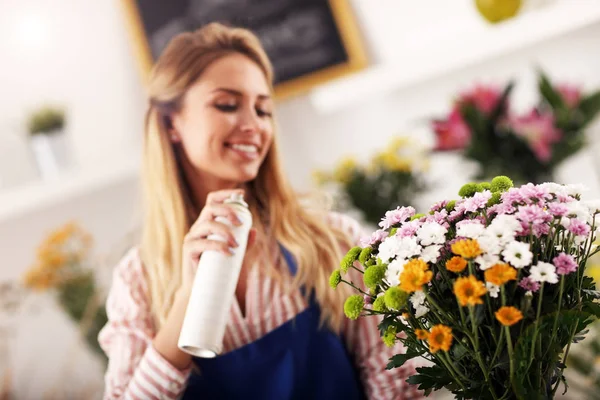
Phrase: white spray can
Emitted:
{"points": [[213, 291]]}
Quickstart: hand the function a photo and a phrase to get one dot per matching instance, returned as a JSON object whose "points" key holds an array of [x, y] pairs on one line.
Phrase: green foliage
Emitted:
{"points": [[46, 120]]}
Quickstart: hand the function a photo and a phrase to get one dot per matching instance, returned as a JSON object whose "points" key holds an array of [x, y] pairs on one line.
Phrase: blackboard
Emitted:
{"points": [[308, 41]]}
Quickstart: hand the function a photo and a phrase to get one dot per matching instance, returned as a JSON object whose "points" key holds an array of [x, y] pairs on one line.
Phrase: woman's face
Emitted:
{"points": [[225, 124]]}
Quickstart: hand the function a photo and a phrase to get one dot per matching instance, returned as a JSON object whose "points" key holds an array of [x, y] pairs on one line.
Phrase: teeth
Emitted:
{"points": [[249, 148]]}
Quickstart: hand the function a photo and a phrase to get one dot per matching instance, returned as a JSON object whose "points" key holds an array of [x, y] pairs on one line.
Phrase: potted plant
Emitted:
{"points": [[48, 140]]}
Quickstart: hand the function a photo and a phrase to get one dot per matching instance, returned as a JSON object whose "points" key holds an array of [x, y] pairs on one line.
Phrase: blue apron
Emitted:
{"points": [[297, 360]]}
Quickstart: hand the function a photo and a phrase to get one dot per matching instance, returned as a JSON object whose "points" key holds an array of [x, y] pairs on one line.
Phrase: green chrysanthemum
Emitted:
{"points": [[468, 190], [450, 206], [349, 258], [389, 337], [354, 306], [370, 262], [335, 278], [501, 184], [364, 255], [395, 298], [373, 275], [485, 185], [379, 304], [495, 199]]}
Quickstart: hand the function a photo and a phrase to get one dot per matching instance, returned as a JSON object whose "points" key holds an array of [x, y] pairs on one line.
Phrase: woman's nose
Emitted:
{"points": [[250, 121]]}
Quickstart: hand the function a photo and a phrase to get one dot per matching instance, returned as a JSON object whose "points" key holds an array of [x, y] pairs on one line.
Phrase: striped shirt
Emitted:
{"points": [[137, 371]]}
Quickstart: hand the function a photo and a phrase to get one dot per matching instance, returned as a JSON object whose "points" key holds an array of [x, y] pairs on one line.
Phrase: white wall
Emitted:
{"points": [[86, 62]]}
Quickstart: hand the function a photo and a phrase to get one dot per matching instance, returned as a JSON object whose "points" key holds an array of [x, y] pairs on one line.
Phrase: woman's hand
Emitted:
{"points": [[200, 236], [195, 243]]}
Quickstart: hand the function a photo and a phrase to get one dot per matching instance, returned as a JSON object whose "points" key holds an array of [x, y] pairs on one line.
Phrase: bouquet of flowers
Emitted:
{"points": [[62, 264], [489, 288], [393, 176], [526, 147]]}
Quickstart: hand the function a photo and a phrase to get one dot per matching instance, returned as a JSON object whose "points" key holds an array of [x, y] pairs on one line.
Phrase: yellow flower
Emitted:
{"points": [[397, 143], [508, 316], [467, 248], [421, 334], [469, 290], [456, 264], [320, 177], [593, 271], [440, 338], [40, 279], [415, 274], [499, 274], [344, 170]]}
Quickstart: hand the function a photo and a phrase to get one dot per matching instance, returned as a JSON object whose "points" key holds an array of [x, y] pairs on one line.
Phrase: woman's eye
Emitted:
{"points": [[263, 113], [226, 107]]}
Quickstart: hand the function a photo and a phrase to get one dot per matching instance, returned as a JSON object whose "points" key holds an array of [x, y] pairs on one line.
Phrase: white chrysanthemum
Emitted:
{"points": [[431, 254], [576, 189], [517, 254], [432, 233], [492, 289], [389, 248], [504, 227], [393, 271], [418, 302], [487, 261], [421, 310], [579, 211], [471, 229], [554, 188], [489, 243], [543, 272], [409, 248]]}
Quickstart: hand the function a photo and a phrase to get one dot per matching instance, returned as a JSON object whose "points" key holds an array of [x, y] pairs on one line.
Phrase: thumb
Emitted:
{"points": [[251, 237]]}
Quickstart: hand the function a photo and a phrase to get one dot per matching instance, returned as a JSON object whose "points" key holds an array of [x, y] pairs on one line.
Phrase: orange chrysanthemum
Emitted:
{"points": [[469, 290], [421, 334], [499, 274], [466, 248], [415, 274], [440, 338], [456, 264], [508, 316]]}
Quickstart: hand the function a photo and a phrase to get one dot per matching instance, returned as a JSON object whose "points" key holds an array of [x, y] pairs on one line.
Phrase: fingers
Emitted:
{"points": [[210, 212], [221, 195], [195, 248], [207, 228]]}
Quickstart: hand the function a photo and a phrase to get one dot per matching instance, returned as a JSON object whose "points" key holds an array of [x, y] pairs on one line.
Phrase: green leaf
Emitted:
{"points": [[592, 293], [589, 107], [592, 308], [399, 359], [430, 378], [547, 90]]}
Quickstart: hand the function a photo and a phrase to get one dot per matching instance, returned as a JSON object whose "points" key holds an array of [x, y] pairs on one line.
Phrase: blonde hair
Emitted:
{"points": [[168, 213]]}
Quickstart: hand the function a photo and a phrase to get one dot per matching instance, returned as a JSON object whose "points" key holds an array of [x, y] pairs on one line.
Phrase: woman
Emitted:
{"points": [[210, 133]]}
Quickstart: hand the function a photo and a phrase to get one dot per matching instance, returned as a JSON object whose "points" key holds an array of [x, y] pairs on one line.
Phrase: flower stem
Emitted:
{"points": [[537, 321], [510, 353], [555, 325]]}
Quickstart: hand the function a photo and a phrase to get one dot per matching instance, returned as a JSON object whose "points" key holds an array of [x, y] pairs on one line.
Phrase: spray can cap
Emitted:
{"points": [[237, 198]]}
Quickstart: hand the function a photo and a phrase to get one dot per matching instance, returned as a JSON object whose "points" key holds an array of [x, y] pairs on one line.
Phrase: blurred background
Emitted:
{"points": [[380, 103]]}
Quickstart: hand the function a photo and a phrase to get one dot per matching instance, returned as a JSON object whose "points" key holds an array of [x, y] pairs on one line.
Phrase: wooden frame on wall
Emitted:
{"points": [[338, 37]]}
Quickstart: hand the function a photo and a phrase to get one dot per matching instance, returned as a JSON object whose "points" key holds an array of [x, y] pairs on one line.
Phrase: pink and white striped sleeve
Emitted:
{"points": [[135, 369], [364, 342]]}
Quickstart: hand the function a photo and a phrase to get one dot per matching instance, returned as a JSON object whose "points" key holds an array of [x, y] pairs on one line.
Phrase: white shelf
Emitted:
{"points": [[480, 43], [38, 195]]}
